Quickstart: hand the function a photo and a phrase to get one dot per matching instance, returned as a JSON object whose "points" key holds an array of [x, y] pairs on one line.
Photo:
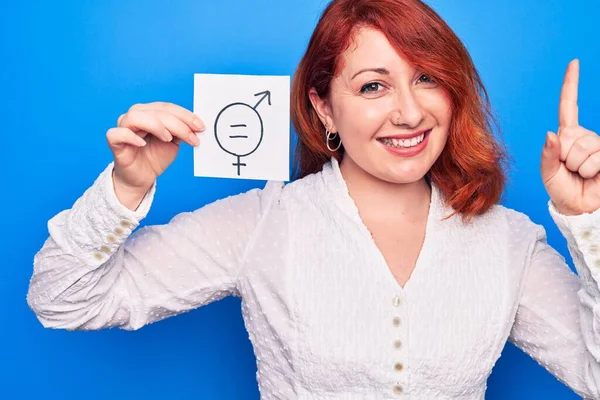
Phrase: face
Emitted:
{"points": [[393, 119]]}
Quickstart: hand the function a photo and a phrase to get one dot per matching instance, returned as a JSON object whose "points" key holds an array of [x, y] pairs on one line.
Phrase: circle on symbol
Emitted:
{"points": [[239, 129]]}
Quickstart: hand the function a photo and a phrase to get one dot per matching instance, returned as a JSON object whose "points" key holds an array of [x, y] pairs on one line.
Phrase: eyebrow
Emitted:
{"points": [[382, 71]]}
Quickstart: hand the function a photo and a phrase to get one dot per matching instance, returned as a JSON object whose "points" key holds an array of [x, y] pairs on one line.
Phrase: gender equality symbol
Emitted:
{"points": [[239, 129]]}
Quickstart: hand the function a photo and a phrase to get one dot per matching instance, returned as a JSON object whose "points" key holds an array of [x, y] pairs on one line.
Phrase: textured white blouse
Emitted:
{"points": [[325, 315]]}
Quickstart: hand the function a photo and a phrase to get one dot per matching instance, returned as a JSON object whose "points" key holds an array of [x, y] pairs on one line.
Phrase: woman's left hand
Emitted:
{"points": [[570, 164]]}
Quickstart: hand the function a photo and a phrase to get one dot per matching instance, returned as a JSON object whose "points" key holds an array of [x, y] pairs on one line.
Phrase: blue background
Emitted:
{"points": [[69, 69]]}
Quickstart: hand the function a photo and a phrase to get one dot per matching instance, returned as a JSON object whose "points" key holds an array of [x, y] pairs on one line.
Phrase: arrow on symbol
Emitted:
{"points": [[265, 94]]}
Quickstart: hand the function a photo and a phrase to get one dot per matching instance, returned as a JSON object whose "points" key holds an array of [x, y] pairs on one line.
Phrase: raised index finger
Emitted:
{"points": [[568, 112]]}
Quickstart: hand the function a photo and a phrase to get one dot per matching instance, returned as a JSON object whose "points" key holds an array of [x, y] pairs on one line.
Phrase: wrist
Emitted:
{"points": [[129, 196]]}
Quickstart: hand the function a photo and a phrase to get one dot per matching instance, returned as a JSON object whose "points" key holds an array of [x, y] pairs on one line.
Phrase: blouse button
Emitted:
{"points": [[396, 321], [98, 256], [125, 223], [597, 262], [396, 301], [398, 366], [397, 389], [105, 248], [119, 230], [397, 344], [587, 234], [111, 238]]}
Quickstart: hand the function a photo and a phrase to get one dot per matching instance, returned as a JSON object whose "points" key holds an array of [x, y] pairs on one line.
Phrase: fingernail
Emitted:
{"points": [[547, 144], [194, 139], [167, 136], [199, 124]]}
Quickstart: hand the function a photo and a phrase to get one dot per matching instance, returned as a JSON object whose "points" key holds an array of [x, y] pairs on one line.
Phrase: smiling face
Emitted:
{"points": [[393, 119]]}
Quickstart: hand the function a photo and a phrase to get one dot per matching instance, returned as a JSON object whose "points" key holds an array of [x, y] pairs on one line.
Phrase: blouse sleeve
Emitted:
{"points": [[94, 272], [558, 317]]}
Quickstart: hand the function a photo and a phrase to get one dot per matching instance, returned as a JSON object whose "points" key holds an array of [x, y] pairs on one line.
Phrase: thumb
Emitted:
{"points": [[550, 163]]}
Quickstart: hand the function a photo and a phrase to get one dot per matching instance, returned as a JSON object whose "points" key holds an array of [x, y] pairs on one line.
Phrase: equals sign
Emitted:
{"points": [[238, 136]]}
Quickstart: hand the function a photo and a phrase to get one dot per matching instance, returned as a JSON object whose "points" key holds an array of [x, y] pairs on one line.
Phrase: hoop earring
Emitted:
{"points": [[331, 136]]}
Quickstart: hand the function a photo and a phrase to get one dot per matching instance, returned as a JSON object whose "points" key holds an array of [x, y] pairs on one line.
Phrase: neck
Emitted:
{"points": [[376, 198]]}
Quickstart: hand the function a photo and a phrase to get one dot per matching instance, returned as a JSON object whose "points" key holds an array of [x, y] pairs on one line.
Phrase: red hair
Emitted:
{"points": [[469, 171]]}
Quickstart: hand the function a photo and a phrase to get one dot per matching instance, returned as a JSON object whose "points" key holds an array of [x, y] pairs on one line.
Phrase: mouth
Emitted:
{"points": [[405, 143]]}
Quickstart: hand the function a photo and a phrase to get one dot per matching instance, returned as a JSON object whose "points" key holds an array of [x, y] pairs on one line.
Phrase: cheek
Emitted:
{"points": [[439, 106], [360, 116]]}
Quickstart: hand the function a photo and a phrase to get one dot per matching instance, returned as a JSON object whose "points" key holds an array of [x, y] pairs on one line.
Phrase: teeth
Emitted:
{"points": [[403, 142]]}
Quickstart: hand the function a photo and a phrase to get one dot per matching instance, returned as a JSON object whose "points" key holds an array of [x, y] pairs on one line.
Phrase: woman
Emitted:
{"points": [[386, 269]]}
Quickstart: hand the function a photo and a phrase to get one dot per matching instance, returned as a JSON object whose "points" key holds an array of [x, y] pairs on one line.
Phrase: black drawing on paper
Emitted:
{"points": [[239, 129]]}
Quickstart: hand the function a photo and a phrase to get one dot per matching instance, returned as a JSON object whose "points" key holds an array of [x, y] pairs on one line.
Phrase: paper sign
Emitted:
{"points": [[247, 120]]}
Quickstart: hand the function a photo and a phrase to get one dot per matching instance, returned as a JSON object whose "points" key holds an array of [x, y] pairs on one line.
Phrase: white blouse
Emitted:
{"points": [[325, 315]]}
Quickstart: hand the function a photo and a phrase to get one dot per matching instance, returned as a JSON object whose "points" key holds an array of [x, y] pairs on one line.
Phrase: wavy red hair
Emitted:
{"points": [[470, 170]]}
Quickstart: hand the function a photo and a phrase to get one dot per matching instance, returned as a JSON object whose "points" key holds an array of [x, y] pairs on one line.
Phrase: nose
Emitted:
{"points": [[407, 111]]}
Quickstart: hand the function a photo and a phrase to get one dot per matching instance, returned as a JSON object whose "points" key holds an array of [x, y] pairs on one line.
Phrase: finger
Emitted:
{"points": [[177, 127], [185, 115], [568, 113], [550, 161], [569, 135], [590, 167], [117, 137], [581, 149], [147, 121]]}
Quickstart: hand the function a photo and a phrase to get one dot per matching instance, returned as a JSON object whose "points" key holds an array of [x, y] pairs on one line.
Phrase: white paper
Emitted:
{"points": [[247, 120]]}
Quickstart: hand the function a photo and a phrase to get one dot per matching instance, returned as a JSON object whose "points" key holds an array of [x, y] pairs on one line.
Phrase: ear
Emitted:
{"points": [[323, 109]]}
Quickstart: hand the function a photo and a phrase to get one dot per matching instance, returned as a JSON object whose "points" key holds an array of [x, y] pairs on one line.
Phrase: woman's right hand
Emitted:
{"points": [[145, 142]]}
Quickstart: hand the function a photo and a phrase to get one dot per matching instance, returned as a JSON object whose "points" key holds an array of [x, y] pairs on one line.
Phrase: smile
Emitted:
{"points": [[404, 143]]}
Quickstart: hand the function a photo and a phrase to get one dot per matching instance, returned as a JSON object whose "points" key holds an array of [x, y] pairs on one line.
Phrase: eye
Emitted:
{"points": [[371, 87], [426, 79]]}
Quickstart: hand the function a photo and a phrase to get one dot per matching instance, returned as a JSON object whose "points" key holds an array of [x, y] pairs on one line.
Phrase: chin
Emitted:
{"points": [[400, 174], [403, 179]]}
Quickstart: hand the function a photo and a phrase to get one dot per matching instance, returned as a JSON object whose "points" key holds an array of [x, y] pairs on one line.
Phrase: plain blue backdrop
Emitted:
{"points": [[69, 69]]}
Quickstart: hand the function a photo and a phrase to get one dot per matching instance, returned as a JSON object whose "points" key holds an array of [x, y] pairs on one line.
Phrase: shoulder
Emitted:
{"points": [[255, 200], [500, 226], [515, 225], [260, 200], [297, 193]]}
